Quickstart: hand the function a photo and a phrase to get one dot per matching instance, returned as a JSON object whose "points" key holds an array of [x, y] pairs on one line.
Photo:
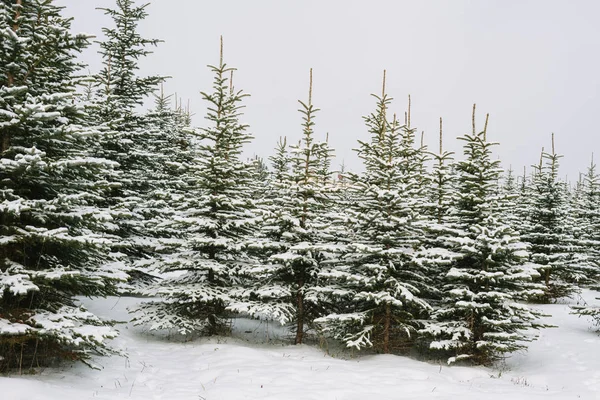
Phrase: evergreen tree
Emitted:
{"points": [[584, 219], [137, 142], [480, 317], [216, 220], [52, 246], [170, 141], [377, 285], [120, 89], [548, 230], [440, 214], [295, 230]]}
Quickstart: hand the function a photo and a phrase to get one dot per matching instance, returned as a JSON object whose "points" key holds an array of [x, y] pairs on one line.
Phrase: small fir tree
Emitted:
{"points": [[548, 234], [480, 317]]}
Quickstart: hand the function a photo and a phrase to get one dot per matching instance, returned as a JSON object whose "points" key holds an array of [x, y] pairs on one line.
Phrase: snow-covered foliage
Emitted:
{"points": [[52, 244], [214, 219], [548, 230], [376, 286], [418, 252], [147, 146], [480, 316]]}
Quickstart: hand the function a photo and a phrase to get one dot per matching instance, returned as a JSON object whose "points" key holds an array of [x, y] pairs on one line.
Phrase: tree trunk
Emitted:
{"points": [[5, 141], [300, 314], [386, 328]]}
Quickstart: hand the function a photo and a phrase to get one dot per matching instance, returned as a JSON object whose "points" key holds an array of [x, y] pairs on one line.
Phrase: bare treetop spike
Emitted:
{"points": [[487, 117], [221, 53], [441, 135], [310, 87], [473, 118], [408, 114]]}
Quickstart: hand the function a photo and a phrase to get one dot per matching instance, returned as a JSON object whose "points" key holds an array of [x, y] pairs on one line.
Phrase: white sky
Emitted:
{"points": [[532, 64]]}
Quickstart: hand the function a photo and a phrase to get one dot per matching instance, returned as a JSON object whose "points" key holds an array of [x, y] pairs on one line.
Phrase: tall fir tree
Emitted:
{"points": [[120, 90], [134, 140], [295, 230], [376, 286], [480, 317], [548, 234], [216, 219], [52, 247], [589, 220], [171, 143], [584, 218], [440, 213]]}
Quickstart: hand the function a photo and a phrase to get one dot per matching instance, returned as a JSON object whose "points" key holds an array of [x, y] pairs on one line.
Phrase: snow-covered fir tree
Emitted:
{"points": [[216, 220], [480, 317], [439, 215], [589, 223], [171, 143], [119, 87], [547, 230], [376, 285], [584, 218], [52, 248], [295, 228], [133, 140]]}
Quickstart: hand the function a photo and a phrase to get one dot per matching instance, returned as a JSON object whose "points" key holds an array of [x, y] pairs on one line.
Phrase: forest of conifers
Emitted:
{"points": [[423, 252]]}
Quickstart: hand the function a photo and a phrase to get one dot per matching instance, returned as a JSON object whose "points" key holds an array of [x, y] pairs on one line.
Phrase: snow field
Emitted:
{"points": [[563, 364]]}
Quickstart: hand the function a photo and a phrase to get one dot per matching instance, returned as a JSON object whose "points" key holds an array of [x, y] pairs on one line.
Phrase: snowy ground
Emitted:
{"points": [[563, 364]]}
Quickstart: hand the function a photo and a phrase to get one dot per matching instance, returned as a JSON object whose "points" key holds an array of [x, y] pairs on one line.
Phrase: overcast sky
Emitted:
{"points": [[533, 65]]}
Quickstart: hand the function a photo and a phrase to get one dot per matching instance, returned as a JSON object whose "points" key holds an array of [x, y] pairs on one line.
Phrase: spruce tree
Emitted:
{"points": [[376, 286], [440, 213], [480, 318], [295, 230], [548, 234], [215, 219], [134, 140], [584, 219], [171, 142], [52, 246], [120, 90]]}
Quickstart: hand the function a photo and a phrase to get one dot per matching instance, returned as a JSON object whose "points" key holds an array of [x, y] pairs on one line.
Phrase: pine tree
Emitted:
{"points": [[216, 218], [52, 245], [376, 285], [480, 318], [439, 211]]}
